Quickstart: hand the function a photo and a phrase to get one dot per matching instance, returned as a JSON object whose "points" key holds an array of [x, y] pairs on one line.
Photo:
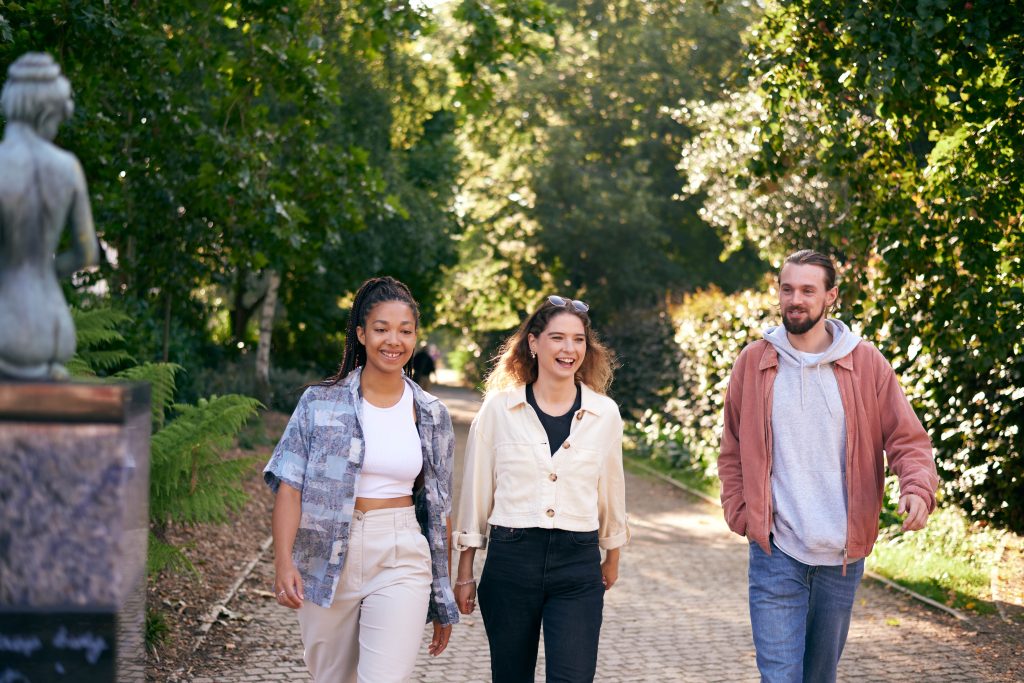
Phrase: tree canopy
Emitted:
{"points": [[228, 141], [628, 152], [889, 135]]}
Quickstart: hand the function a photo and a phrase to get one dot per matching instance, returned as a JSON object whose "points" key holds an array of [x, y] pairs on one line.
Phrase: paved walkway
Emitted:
{"points": [[678, 612]]}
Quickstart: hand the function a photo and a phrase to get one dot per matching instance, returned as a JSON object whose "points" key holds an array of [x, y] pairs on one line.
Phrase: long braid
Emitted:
{"points": [[372, 292]]}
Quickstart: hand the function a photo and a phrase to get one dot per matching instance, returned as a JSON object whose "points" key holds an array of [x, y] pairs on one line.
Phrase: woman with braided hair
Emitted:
{"points": [[361, 525]]}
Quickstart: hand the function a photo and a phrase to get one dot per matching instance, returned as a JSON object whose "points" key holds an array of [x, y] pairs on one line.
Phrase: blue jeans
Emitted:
{"points": [[549, 576], [800, 616]]}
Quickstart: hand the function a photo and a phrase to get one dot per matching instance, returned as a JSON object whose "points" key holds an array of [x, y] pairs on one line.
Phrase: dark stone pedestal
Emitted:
{"points": [[74, 494]]}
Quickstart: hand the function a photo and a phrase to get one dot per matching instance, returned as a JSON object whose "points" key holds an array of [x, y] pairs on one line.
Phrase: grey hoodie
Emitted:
{"points": [[809, 449]]}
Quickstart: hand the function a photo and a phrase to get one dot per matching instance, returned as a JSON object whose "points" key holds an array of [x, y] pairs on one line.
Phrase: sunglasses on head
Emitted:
{"points": [[576, 304]]}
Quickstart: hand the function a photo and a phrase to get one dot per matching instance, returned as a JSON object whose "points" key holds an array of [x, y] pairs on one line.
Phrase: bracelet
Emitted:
{"points": [[465, 583]]}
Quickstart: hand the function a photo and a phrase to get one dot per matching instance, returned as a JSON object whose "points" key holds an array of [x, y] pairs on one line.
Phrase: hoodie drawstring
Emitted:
{"points": [[801, 359], [824, 393], [821, 383]]}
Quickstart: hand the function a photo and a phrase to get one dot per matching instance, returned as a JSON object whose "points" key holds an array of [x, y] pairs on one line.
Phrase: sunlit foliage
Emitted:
{"points": [[889, 135]]}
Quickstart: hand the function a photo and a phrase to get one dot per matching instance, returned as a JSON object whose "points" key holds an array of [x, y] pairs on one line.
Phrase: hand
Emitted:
{"points": [[440, 640], [465, 597], [916, 510], [288, 586], [609, 573]]}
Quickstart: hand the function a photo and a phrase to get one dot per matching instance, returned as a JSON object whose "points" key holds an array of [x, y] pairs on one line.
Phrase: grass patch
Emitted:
{"points": [[156, 629], [950, 560], [659, 444], [687, 476]]}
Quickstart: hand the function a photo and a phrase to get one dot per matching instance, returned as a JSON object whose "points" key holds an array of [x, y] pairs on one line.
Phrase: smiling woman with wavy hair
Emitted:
{"points": [[515, 365], [543, 485]]}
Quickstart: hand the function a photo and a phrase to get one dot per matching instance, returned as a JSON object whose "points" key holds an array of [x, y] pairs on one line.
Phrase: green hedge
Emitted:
{"points": [[648, 374], [711, 329]]}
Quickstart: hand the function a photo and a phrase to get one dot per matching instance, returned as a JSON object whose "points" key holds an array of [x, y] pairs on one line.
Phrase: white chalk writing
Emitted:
{"points": [[92, 645], [12, 676], [23, 645]]}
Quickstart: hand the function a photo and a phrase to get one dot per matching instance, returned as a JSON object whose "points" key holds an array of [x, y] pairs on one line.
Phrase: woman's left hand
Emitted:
{"points": [[610, 572], [442, 632]]}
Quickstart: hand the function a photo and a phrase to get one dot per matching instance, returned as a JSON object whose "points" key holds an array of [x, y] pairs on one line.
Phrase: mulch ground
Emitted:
{"points": [[219, 553]]}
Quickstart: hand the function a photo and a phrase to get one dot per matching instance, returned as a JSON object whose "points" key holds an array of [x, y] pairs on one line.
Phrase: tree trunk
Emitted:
{"points": [[239, 311], [267, 311]]}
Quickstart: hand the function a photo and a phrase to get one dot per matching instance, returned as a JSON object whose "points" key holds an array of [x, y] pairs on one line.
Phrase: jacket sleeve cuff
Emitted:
{"points": [[927, 496], [615, 541], [463, 540], [442, 613]]}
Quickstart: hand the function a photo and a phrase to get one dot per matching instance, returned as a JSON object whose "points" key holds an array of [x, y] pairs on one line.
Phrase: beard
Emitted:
{"points": [[801, 327]]}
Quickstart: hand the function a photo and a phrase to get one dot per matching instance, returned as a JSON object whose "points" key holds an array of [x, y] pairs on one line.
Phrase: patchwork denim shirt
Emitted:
{"points": [[321, 455]]}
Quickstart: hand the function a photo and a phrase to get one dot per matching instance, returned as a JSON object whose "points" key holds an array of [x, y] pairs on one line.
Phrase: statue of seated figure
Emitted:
{"points": [[42, 188]]}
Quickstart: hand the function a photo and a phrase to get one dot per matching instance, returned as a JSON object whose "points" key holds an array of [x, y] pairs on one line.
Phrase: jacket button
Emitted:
{"points": [[553, 477], [550, 513], [565, 445]]}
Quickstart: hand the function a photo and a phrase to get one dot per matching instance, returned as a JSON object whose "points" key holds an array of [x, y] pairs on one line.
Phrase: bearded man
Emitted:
{"points": [[812, 414]]}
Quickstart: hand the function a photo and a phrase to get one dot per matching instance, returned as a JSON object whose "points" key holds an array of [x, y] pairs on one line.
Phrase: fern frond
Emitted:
{"points": [[107, 359], [78, 367], [97, 326], [162, 386], [161, 556], [95, 332], [217, 492], [190, 481]]}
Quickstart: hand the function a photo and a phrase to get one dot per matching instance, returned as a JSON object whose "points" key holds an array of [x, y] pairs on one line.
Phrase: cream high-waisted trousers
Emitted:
{"points": [[372, 631]]}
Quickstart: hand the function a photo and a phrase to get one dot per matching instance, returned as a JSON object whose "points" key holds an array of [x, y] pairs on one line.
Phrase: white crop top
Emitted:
{"points": [[393, 457]]}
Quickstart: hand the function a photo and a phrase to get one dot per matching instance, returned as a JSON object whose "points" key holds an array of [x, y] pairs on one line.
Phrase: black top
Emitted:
{"points": [[557, 428]]}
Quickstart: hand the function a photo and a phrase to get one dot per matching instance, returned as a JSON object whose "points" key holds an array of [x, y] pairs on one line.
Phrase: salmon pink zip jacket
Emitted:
{"points": [[880, 425]]}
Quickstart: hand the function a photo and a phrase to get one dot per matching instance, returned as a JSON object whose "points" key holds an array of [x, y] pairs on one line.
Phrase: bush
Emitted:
{"points": [[481, 354], [190, 481], [649, 357], [712, 329], [456, 360], [239, 377]]}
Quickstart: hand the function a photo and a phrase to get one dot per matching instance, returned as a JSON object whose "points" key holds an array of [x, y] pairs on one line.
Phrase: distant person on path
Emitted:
{"points": [[543, 469], [811, 416], [365, 454], [423, 367]]}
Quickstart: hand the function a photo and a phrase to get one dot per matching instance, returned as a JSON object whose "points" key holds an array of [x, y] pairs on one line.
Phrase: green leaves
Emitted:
{"points": [[711, 328], [191, 481], [905, 113], [225, 140], [6, 34], [160, 377]]}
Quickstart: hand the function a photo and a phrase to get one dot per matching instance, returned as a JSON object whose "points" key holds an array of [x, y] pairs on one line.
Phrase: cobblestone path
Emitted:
{"points": [[677, 613]]}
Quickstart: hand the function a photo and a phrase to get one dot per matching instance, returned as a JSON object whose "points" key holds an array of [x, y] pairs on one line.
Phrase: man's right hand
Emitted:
{"points": [[916, 510]]}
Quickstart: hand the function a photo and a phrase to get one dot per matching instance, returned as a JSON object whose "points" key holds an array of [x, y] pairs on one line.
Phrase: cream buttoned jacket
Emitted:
{"points": [[511, 479]]}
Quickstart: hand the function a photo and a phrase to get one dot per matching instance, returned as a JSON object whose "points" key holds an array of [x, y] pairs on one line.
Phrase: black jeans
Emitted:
{"points": [[549, 576]]}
